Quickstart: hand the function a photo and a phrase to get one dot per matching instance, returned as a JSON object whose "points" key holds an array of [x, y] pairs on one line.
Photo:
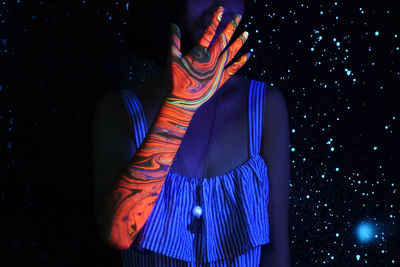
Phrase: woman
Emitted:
{"points": [[207, 182]]}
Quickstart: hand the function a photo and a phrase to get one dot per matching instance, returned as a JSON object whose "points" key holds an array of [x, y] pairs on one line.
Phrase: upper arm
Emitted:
{"points": [[275, 151], [112, 145]]}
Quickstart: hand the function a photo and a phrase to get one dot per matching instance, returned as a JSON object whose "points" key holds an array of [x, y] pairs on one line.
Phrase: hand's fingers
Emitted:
{"points": [[225, 36], [209, 33], [175, 41], [232, 69], [234, 48]]}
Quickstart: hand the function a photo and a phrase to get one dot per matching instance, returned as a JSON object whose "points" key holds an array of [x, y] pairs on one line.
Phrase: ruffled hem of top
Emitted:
{"points": [[234, 215]]}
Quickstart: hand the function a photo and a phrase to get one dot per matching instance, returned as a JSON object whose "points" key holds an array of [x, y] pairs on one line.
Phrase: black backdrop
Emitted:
{"points": [[57, 58]]}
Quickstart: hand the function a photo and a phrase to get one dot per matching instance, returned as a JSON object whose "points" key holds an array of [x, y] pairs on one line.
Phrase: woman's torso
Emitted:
{"points": [[233, 223], [228, 144]]}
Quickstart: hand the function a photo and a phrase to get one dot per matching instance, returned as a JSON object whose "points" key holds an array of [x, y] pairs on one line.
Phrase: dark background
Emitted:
{"points": [[58, 57]]}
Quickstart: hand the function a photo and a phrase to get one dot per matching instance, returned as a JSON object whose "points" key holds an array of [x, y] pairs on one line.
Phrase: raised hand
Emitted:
{"points": [[197, 76], [195, 79]]}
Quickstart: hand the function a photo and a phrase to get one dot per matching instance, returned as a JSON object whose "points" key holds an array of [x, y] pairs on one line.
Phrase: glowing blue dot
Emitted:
{"points": [[337, 169], [348, 72], [337, 234], [337, 43], [307, 196], [376, 33], [358, 257], [293, 130], [293, 149], [312, 48], [375, 148], [365, 231], [332, 149]]}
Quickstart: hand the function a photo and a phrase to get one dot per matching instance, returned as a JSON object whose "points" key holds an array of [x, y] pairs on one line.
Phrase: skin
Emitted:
{"points": [[198, 12], [234, 94], [230, 128], [195, 78]]}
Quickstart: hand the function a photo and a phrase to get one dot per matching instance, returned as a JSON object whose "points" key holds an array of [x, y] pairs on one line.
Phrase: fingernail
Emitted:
{"points": [[246, 34], [238, 18], [175, 29], [219, 13]]}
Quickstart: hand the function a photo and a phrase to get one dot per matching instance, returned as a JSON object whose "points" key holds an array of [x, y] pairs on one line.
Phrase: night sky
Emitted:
{"points": [[335, 62]]}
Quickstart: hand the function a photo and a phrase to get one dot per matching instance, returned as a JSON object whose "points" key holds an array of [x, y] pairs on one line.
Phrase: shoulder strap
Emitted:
{"points": [[136, 119], [256, 110]]}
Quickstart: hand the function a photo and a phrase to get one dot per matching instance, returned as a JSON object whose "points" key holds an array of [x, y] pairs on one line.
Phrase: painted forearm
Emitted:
{"points": [[195, 78], [134, 194]]}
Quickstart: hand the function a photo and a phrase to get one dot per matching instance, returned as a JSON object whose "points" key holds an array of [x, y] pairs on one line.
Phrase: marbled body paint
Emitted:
{"points": [[195, 78]]}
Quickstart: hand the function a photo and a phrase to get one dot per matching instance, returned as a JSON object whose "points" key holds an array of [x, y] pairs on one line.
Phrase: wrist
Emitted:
{"points": [[173, 118], [181, 105]]}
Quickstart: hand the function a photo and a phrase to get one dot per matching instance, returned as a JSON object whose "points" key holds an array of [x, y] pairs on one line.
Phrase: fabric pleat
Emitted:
{"points": [[234, 222]]}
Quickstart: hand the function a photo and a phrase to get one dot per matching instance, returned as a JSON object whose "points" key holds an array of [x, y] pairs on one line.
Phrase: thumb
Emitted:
{"points": [[175, 42]]}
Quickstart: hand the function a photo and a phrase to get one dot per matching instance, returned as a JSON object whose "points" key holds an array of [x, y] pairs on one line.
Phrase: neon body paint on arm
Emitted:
{"points": [[195, 78]]}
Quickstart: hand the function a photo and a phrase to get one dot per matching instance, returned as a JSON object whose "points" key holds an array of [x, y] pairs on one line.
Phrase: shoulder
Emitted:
{"points": [[274, 98], [275, 134], [110, 103], [110, 115], [275, 105], [108, 100], [275, 128]]}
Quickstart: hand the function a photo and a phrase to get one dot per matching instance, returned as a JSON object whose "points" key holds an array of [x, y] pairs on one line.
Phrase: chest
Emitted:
{"points": [[217, 138]]}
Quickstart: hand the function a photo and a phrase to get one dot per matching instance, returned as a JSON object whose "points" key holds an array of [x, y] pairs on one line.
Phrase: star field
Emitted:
{"points": [[335, 62]]}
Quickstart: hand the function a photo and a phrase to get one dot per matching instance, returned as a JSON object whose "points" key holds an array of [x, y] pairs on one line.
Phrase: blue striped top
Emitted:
{"points": [[234, 220]]}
